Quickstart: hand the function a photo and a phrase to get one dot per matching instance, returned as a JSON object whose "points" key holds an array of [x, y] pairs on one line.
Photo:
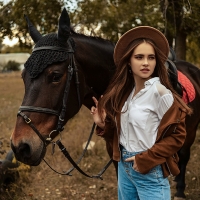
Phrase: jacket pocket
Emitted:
{"points": [[172, 165]]}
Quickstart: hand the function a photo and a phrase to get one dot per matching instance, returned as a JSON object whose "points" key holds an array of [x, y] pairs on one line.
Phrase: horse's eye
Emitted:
{"points": [[56, 78]]}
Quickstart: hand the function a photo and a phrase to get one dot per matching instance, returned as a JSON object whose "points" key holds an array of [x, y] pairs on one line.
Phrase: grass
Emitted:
{"points": [[38, 183]]}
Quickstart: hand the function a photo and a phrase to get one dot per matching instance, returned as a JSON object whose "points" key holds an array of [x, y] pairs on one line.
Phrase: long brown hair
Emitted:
{"points": [[123, 82]]}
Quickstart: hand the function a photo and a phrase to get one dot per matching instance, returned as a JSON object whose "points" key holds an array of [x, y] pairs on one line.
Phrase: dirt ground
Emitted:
{"points": [[40, 182]]}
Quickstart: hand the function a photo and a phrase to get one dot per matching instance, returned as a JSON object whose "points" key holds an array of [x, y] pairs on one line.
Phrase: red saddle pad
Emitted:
{"points": [[189, 92]]}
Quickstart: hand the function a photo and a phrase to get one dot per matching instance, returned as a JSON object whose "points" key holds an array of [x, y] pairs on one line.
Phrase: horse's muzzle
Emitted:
{"points": [[24, 153]]}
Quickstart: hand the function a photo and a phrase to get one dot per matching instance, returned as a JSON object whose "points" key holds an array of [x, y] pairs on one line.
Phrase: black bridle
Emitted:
{"points": [[72, 70]]}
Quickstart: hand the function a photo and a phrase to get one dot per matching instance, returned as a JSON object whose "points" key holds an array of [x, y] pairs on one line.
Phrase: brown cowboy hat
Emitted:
{"points": [[140, 32]]}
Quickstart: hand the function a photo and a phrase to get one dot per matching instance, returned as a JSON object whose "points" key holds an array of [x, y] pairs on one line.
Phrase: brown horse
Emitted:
{"points": [[64, 71]]}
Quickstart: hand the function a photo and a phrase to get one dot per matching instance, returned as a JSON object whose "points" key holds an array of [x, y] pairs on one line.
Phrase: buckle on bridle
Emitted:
{"points": [[49, 139], [61, 119], [27, 120]]}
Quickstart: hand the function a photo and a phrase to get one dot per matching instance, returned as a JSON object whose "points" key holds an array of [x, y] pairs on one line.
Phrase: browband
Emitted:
{"points": [[69, 50]]}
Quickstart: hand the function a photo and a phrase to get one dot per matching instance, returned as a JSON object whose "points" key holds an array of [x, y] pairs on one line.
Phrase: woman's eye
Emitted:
{"points": [[56, 78], [138, 57], [152, 58]]}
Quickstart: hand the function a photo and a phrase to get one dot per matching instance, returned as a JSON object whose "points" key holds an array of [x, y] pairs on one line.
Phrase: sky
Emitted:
{"points": [[6, 1], [7, 41]]}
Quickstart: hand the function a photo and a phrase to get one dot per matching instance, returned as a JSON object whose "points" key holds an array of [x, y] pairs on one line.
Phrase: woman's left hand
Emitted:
{"points": [[132, 159]]}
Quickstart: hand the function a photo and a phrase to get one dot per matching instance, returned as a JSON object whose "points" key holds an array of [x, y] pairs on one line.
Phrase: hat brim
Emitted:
{"points": [[140, 32]]}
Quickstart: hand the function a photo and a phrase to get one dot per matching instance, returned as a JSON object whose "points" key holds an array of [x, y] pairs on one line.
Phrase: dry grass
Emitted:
{"points": [[40, 182]]}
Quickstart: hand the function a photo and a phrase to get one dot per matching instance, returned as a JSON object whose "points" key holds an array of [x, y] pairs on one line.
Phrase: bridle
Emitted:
{"points": [[72, 70]]}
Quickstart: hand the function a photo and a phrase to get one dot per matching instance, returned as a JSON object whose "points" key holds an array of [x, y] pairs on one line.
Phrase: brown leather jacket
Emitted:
{"points": [[170, 138]]}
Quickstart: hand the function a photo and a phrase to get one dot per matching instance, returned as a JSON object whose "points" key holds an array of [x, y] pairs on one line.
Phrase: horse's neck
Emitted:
{"points": [[95, 56]]}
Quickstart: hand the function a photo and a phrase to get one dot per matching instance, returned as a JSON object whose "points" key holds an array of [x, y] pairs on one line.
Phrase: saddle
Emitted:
{"points": [[173, 73]]}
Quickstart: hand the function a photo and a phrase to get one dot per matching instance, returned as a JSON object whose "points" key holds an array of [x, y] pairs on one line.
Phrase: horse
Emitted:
{"points": [[65, 70]]}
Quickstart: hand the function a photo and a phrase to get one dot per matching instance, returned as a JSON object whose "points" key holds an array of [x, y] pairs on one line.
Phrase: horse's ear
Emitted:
{"points": [[34, 33], [64, 26]]}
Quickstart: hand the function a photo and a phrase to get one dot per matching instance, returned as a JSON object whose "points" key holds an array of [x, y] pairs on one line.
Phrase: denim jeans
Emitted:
{"points": [[133, 185]]}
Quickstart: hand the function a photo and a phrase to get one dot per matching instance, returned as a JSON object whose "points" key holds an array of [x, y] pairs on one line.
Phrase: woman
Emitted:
{"points": [[141, 117]]}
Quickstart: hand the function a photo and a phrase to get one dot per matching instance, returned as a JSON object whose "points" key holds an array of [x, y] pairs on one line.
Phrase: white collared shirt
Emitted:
{"points": [[141, 115]]}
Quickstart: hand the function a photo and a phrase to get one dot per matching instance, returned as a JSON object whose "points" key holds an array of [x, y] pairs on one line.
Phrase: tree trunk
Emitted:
{"points": [[180, 45], [174, 26]]}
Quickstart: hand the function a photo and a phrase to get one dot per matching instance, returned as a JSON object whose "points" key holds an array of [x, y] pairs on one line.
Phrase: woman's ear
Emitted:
{"points": [[129, 68]]}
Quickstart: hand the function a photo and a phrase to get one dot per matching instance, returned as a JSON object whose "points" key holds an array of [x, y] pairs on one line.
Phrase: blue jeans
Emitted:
{"points": [[133, 185]]}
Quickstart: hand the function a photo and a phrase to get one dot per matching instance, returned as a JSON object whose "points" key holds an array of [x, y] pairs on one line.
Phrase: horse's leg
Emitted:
{"points": [[184, 156]]}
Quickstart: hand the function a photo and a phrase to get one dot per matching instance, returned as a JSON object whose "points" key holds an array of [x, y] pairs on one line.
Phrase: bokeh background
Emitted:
{"points": [[109, 19]]}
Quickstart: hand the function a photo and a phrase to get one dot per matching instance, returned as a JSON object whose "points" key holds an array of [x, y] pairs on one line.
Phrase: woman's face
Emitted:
{"points": [[143, 61]]}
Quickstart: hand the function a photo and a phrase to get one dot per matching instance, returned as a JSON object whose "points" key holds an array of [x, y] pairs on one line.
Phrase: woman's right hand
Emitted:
{"points": [[96, 117]]}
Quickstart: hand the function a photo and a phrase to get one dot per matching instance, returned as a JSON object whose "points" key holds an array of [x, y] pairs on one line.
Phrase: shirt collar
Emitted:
{"points": [[151, 81]]}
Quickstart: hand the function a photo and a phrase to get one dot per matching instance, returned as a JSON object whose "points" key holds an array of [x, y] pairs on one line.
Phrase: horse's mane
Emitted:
{"points": [[90, 38]]}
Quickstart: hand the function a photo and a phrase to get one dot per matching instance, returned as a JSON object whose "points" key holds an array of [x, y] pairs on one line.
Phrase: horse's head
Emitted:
{"points": [[50, 78]]}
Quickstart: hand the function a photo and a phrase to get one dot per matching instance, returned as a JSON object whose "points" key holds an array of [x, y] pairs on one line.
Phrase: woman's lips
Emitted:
{"points": [[145, 70]]}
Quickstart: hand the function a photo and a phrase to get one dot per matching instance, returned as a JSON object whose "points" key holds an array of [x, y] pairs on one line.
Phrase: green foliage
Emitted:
{"points": [[15, 49], [111, 18], [12, 66], [43, 14], [179, 20]]}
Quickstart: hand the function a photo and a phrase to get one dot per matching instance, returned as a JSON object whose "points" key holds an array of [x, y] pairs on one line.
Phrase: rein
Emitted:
{"points": [[72, 70]]}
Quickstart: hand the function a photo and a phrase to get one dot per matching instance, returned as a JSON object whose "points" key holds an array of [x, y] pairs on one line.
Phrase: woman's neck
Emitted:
{"points": [[139, 84]]}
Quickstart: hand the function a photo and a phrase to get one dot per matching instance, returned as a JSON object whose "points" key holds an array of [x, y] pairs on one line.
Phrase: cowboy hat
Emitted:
{"points": [[140, 32]]}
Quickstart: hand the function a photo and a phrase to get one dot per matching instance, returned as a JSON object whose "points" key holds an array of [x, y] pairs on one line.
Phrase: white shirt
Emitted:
{"points": [[141, 115]]}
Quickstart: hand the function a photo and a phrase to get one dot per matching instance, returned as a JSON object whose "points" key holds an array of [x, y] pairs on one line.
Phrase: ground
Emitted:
{"points": [[40, 182]]}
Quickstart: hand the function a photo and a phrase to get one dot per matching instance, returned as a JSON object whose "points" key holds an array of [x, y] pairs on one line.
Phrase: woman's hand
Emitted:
{"points": [[96, 117], [132, 159]]}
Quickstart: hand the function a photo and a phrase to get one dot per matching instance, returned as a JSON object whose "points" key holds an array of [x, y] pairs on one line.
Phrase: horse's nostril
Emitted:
{"points": [[24, 150]]}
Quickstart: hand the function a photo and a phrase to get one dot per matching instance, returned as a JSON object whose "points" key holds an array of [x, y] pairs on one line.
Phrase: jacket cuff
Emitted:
{"points": [[146, 162], [99, 131]]}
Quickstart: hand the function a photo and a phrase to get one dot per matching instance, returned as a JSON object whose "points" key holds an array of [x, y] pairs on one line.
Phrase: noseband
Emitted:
{"points": [[72, 69]]}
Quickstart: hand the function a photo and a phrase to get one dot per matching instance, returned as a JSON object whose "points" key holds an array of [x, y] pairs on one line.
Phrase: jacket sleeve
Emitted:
{"points": [[106, 133], [173, 140], [99, 131]]}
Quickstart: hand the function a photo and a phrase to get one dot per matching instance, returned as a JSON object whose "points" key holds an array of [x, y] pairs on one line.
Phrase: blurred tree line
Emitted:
{"points": [[11, 66], [178, 20]]}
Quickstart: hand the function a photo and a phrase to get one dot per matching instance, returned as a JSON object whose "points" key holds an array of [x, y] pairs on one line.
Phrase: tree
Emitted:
{"points": [[14, 49], [182, 22], [43, 14], [111, 18], [12, 66], [1, 44], [179, 20]]}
